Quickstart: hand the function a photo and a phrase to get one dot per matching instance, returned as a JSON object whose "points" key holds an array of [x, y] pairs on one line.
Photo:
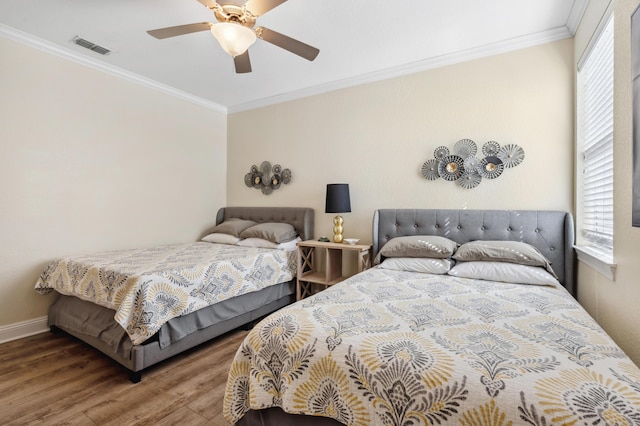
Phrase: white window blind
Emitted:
{"points": [[596, 120]]}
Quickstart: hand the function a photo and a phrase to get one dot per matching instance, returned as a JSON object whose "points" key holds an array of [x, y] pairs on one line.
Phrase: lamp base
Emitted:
{"points": [[337, 229]]}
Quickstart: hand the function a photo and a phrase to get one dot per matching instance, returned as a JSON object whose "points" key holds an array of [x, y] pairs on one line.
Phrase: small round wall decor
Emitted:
{"points": [[451, 167], [490, 148], [465, 148], [469, 179], [511, 155], [441, 152], [491, 167], [430, 169]]}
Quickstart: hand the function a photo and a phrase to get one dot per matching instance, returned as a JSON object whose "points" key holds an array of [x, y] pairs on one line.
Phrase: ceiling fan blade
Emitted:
{"points": [[287, 43], [243, 63], [179, 30], [209, 3], [260, 7]]}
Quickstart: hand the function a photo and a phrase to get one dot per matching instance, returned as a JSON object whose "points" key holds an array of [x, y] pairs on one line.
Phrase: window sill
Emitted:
{"points": [[600, 262]]}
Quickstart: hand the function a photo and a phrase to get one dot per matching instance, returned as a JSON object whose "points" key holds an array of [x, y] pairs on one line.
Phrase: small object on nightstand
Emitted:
{"points": [[323, 239], [351, 241]]}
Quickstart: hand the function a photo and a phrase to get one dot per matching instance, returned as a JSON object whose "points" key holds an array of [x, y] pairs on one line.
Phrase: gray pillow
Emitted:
{"points": [[503, 251], [233, 226], [418, 246], [272, 231]]}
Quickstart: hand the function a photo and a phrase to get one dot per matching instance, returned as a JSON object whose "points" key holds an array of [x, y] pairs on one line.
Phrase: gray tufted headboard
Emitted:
{"points": [[551, 232], [302, 218]]}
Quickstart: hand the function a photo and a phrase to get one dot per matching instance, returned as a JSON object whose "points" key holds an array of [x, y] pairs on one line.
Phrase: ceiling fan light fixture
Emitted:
{"points": [[234, 38]]}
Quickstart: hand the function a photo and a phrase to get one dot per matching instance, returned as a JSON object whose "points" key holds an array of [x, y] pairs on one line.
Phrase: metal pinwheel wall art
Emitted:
{"points": [[267, 178], [463, 165]]}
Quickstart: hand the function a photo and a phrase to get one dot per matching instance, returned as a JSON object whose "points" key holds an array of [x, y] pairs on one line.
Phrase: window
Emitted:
{"points": [[595, 146]]}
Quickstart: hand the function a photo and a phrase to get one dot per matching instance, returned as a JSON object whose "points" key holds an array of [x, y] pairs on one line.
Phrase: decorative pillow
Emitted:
{"points": [[417, 264], [217, 237], [431, 246], [271, 231], [261, 243], [504, 272], [503, 251], [233, 226], [257, 242]]}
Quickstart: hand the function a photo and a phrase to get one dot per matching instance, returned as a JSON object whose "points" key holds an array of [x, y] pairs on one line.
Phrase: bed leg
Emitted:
{"points": [[248, 326], [135, 376]]}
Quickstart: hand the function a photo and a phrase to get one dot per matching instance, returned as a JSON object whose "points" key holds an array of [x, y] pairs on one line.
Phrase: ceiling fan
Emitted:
{"points": [[235, 33]]}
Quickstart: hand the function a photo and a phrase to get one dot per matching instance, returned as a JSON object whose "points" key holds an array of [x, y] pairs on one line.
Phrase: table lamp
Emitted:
{"points": [[337, 201]]}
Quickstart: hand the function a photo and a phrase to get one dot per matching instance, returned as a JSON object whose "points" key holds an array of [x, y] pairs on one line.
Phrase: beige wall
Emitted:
{"points": [[615, 304], [92, 162], [376, 137]]}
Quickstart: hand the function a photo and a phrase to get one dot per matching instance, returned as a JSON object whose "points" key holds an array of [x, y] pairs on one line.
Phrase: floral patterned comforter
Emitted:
{"points": [[148, 287], [402, 348]]}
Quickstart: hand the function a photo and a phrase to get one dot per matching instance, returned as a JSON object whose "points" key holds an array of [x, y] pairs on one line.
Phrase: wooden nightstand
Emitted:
{"points": [[309, 271]]}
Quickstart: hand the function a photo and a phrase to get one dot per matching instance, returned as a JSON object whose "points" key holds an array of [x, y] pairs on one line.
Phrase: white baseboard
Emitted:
{"points": [[22, 329]]}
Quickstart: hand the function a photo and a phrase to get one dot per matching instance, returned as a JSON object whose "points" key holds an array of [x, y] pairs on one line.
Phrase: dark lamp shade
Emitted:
{"points": [[337, 200]]}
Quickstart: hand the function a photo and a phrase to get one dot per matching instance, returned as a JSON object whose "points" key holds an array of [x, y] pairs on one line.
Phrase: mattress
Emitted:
{"points": [[148, 287]]}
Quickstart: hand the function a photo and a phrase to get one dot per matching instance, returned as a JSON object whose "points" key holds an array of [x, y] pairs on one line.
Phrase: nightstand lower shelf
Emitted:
{"points": [[311, 279]]}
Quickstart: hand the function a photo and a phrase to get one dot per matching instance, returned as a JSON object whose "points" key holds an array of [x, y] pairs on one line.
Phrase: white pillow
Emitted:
{"points": [[262, 243], [417, 264], [502, 251], [289, 245], [220, 238], [504, 272]]}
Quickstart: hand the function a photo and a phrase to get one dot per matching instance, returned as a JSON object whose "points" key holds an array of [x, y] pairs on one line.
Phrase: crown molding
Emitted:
{"points": [[411, 68], [492, 49], [575, 15], [54, 49]]}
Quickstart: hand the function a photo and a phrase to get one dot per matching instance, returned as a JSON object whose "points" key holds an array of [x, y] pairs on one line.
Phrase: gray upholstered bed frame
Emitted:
{"points": [[551, 232], [75, 316], [302, 218]]}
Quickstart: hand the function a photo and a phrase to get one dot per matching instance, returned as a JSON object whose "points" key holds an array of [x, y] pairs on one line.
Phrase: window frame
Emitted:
{"points": [[595, 251]]}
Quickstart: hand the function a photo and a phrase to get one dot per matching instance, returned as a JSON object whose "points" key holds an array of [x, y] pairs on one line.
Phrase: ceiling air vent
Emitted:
{"points": [[91, 46]]}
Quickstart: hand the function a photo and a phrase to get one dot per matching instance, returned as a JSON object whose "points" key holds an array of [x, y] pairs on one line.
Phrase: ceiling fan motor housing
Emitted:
{"points": [[233, 13]]}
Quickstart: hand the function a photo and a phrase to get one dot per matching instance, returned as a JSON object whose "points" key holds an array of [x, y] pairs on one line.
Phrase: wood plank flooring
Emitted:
{"points": [[55, 379]]}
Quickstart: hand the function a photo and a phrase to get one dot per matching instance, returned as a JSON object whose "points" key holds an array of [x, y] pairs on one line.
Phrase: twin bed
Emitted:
{"points": [[143, 306], [459, 323]]}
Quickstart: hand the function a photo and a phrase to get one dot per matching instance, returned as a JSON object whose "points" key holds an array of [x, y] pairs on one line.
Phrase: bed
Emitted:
{"points": [[143, 306], [405, 343]]}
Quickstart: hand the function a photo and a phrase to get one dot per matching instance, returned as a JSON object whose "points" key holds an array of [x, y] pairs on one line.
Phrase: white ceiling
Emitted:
{"points": [[359, 41]]}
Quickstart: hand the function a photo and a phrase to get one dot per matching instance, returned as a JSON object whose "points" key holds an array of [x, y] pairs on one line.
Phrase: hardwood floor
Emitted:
{"points": [[54, 379]]}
